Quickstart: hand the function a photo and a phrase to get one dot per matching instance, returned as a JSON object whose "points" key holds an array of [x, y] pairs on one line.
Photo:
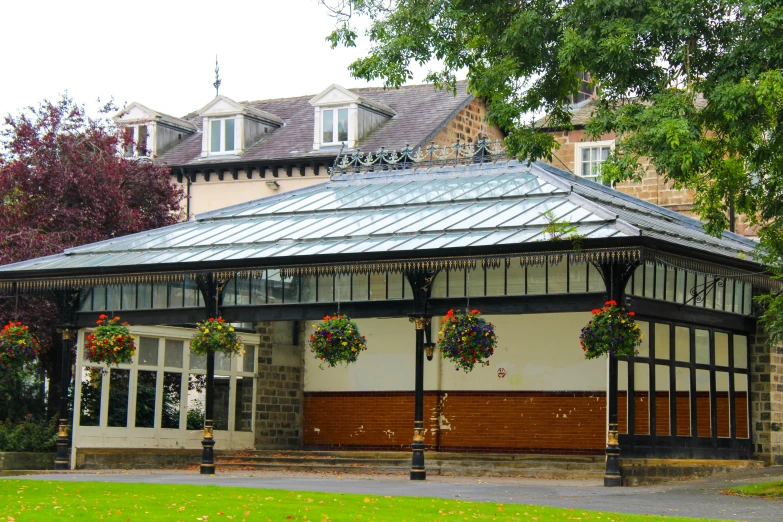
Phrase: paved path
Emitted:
{"points": [[700, 498]]}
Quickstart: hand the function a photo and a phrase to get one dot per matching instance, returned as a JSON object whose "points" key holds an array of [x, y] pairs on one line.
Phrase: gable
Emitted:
{"points": [[334, 95], [221, 106], [135, 112]]}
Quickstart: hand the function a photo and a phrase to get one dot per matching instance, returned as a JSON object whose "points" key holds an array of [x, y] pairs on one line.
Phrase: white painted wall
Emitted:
{"points": [[537, 352]]}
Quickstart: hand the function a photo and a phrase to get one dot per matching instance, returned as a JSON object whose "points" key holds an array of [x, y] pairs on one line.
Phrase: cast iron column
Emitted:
{"points": [[615, 276], [211, 293], [421, 284], [62, 459], [418, 472]]}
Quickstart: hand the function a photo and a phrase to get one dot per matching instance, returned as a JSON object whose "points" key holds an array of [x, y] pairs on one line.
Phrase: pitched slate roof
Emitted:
{"points": [[422, 111], [418, 212]]}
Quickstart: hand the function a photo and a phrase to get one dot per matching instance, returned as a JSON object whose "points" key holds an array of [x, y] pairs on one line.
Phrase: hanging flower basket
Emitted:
{"points": [[17, 347], [337, 340], [215, 335], [612, 331], [111, 342], [466, 339]]}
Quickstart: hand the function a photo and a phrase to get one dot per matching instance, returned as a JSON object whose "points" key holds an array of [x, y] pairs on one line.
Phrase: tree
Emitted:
{"points": [[63, 183], [696, 86]]}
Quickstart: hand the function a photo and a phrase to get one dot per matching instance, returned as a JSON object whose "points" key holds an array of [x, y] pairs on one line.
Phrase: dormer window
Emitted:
{"points": [[222, 135], [335, 125], [231, 128], [342, 116], [152, 133]]}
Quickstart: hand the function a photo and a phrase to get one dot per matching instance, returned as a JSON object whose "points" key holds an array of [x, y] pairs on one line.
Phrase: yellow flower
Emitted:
{"points": [[230, 328], [220, 327], [206, 330], [345, 343]]}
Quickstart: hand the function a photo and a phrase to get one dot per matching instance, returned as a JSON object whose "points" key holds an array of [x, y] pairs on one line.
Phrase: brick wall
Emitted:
{"points": [[468, 125], [278, 396], [526, 422], [767, 399]]}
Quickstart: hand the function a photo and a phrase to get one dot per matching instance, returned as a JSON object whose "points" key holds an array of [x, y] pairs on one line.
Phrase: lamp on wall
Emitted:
{"points": [[429, 349], [273, 185]]}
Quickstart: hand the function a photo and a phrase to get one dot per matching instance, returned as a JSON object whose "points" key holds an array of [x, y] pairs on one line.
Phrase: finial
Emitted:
{"points": [[217, 77]]}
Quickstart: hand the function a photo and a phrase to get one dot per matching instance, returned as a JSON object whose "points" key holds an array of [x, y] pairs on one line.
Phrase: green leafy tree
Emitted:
{"points": [[695, 86]]}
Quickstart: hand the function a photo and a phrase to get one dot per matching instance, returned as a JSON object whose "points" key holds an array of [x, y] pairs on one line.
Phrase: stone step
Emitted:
{"points": [[432, 469], [436, 460]]}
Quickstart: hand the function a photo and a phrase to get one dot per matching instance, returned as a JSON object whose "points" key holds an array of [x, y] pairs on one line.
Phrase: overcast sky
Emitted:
{"points": [[161, 53]]}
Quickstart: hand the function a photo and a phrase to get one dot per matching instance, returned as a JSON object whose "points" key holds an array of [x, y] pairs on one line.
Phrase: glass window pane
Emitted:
{"points": [[222, 391], [160, 295], [604, 153], [644, 348], [222, 362], [682, 344], [172, 398], [173, 355], [457, 283], [475, 282], [395, 285], [577, 278], [728, 292], [274, 287], [243, 290], [660, 276], [595, 282], [229, 144], [325, 288], [113, 297], [594, 154], [198, 362], [342, 289], [407, 292], [683, 401], [197, 387], [680, 297], [214, 136], [496, 280], [662, 341], [230, 292], [622, 396], [128, 297], [709, 295], [378, 286], [99, 298], [720, 288], [739, 288], [722, 403], [148, 351], [702, 340], [291, 289], [700, 294], [558, 278], [741, 405], [360, 287], [516, 279], [308, 289], [243, 409], [536, 279], [641, 388], [721, 349], [703, 426], [649, 280], [249, 359], [662, 400], [144, 296], [119, 383], [92, 379], [258, 288], [585, 155], [342, 125], [328, 126], [86, 301], [670, 278], [176, 295], [740, 351], [146, 388], [747, 299]]}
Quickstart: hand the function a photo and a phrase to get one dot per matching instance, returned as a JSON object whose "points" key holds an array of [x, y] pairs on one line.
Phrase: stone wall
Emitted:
{"points": [[766, 364], [468, 126], [137, 458], [16, 460], [279, 386]]}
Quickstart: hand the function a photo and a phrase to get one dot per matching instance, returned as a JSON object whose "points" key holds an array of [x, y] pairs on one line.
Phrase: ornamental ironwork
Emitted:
{"points": [[431, 155]]}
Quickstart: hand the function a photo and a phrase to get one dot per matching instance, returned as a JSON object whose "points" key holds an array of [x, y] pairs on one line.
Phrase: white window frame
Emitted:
{"points": [[131, 436], [580, 146], [222, 150], [335, 125], [135, 146]]}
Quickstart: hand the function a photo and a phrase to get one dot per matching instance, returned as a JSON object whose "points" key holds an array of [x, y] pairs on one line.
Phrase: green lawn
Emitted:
{"points": [[41, 501], [762, 489]]}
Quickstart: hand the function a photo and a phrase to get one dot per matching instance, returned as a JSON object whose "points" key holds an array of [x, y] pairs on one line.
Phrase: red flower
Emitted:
{"points": [[596, 311], [632, 314], [611, 303], [102, 316], [474, 311]]}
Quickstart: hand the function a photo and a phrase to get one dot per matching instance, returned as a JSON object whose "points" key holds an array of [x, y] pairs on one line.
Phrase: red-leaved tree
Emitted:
{"points": [[63, 183]]}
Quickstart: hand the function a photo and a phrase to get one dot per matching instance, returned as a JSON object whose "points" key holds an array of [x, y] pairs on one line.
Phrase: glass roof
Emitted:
{"points": [[416, 211]]}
